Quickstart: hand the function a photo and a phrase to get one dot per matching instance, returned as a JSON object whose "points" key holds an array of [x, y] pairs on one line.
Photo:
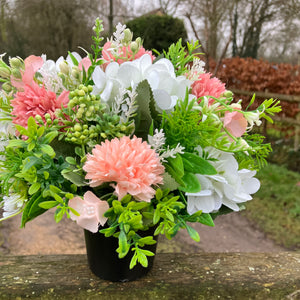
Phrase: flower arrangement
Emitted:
{"points": [[123, 140]]}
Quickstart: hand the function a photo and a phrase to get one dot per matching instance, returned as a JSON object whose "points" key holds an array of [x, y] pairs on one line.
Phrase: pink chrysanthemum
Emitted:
{"points": [[207, 86], [124, 53], [130, 163], [36, 100]]}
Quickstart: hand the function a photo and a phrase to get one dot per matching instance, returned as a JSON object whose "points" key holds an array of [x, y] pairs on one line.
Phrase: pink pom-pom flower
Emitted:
{"points": [[129, 164]]}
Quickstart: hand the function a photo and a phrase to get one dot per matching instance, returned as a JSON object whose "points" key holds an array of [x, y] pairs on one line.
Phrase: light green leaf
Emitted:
{"points": [[197, 165], [48, 204], [193, 233], [34, 188], [206, 219], [192, 183], [47, 149]]}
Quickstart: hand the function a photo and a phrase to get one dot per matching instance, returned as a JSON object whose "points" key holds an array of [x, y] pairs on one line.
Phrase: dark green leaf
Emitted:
{"points": [[192, 183]]}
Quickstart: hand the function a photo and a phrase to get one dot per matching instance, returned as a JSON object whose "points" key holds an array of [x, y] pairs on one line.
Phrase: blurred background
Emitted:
{"points": [[251, 45]]}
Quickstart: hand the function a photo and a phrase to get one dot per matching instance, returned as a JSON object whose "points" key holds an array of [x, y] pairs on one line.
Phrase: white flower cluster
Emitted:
{"points": [[166, 87], [229, 187]]}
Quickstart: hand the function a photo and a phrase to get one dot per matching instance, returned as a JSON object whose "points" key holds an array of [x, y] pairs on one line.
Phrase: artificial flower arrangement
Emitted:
{"points": [[123, 140]]}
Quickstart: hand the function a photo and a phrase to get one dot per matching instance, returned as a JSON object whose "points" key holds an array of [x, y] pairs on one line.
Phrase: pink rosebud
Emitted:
{"points": [[235, 123], [91, 211]]}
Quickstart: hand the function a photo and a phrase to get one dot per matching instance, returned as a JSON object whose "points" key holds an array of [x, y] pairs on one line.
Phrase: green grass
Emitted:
{"points": [[276, 206]]}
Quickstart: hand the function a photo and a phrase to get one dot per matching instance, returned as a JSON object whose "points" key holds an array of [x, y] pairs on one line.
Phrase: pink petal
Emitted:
{"points": [[85, 63], [235, 123], [100, 206], [88, 222], [78, 204]]}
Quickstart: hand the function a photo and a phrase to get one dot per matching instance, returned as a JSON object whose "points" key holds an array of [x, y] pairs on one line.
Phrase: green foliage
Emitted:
{"points": [[31, 164], [158, 32], [147, 113], [181, 56]]}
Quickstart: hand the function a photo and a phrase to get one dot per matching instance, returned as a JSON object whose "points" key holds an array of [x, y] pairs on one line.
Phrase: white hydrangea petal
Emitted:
{"points": [[145, 62], [105, 95], [128, 74], [231, 204], [204, 203], [99, 78], [163, 100], [111, 70], [167, 64], [153, 79]]}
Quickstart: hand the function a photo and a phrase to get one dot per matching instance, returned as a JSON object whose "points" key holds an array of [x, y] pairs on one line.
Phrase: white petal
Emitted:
{"points": [[166, 63], [105, 95], [111, 70], [128, 74], [204, 203], [99, 78], [163, 100]]}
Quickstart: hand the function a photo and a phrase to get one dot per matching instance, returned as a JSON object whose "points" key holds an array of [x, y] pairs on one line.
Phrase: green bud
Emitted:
{"points": [[139, 41], [16, 73], [103, 135], [127, 36], [77, 134], [16, 63], [64, 68], [76, 72], [85, 126], [73, 139], [134, 47], [77, 127], [81, 93], [90, 88], [7, 87], [4, 72], [228, 94], [47, 116]]}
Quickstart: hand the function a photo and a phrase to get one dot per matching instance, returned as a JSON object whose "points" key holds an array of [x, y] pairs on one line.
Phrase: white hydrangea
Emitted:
{"points": [[166, 87], [229, 187]]}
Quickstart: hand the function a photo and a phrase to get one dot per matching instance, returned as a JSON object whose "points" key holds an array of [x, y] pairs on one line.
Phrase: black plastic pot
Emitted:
{"points": [[104, 261]]}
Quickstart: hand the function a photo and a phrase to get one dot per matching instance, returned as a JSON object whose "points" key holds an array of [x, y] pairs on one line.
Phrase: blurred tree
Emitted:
{"points": [[158, 31]]}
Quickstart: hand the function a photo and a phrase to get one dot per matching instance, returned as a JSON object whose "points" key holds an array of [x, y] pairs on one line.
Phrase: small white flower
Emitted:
{"points": [[12, 205], [253, 118]]}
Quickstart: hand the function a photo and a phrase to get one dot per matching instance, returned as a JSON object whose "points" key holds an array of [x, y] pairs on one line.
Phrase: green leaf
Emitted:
{"points": [[174, 175], [193, 233], [34, 188], [54, 189], [59, 213], [146, 113], [16, 144], [123, 246], [206, 219], [30, 162], [197, 165], [74, 60], [47, 149], [48, 204], [156, 216], [142, 259], [71, 160], [31, 146], [133, 261], [49, 137], [192, 183], [177, 164], [32, 209], [75, 178], [40, 131], [148, 240]]}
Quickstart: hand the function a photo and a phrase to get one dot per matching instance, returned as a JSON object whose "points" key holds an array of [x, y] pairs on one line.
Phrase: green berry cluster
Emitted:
{"points": [[111, 127], [88, 122]]}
